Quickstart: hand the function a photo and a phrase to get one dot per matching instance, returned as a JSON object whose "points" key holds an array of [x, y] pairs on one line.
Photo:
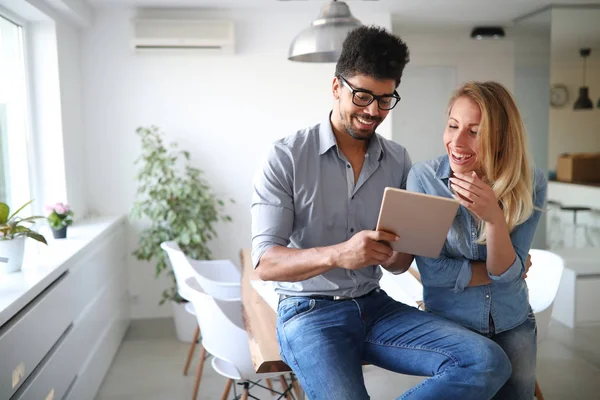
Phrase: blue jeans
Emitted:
{"points": [[324, 343], [520, 345]]}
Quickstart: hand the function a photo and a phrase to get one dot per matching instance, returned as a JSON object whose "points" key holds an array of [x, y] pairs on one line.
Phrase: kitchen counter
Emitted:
{"points": [[64, 315], [44, 264], [575, 194]]}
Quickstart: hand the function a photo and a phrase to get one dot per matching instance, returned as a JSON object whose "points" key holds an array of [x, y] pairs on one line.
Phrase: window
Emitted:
{"points": [[14, 165]]}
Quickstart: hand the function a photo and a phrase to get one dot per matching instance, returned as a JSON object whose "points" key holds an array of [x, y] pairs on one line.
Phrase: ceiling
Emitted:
{"points": [[417, 12]]}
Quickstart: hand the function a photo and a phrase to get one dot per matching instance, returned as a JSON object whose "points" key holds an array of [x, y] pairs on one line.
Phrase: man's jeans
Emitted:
{"points": [[325, 341]]}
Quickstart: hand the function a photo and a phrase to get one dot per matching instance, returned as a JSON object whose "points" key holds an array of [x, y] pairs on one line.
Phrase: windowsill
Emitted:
{"points": [[44, 264]]}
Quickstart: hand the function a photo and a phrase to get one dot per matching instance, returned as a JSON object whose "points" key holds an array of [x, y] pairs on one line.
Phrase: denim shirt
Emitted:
{"points": [[446, 279]]}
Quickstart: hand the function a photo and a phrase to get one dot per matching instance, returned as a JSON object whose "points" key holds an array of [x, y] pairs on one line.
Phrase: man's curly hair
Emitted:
{"points": [[374, 52]]}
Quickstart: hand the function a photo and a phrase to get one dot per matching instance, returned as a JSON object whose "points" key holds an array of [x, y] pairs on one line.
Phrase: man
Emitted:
{"points": [[314, 208]]}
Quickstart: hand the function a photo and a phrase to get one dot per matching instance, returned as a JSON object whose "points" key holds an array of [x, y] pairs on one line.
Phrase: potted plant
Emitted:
{"points": [[13, 231], [59, 217], [179, 205]]}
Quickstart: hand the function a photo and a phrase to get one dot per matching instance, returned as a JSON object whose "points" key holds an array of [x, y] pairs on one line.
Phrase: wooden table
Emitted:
{"points": [[260, 321]]}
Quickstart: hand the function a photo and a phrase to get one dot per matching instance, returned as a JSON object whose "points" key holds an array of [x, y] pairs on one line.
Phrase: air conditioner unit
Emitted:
{"points": [[199, 35]]}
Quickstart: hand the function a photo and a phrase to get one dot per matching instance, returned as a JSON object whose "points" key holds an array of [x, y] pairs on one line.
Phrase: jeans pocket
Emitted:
{"points": [[295, 308]]}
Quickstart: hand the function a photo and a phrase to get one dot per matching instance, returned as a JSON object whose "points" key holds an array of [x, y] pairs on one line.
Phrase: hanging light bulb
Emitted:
{"points": [[583, 101], [322, 40]]}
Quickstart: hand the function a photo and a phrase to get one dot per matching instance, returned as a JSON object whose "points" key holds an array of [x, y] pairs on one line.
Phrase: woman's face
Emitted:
{"points": [[461, 135]]}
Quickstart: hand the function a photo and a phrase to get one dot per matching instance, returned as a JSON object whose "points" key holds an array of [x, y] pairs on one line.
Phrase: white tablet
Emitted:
{"points": [[421, 221]]}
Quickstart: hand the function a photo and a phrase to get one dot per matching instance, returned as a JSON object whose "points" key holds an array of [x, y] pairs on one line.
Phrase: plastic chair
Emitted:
{"points": [[224, 336], [405, 288], [543, 279], [219, 278]]}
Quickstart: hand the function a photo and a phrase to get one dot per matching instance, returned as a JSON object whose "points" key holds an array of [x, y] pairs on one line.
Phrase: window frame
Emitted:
{"points": [[33, 184]]}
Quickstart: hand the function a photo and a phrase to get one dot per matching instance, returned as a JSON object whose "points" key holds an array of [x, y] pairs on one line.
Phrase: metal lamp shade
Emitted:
{"points": [[583, 101], [322, 41]]}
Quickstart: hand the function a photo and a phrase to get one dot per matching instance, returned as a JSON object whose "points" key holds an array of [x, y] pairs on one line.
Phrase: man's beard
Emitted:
{"points": [[359, 134]]}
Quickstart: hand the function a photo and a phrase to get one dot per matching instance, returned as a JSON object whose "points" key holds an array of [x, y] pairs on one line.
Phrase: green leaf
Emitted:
{"points": [[4, 210], [20, 208], [36, 236]]}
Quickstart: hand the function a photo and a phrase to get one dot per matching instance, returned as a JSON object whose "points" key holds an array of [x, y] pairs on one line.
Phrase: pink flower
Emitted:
{"points": [[60, 208], [49, 210]]}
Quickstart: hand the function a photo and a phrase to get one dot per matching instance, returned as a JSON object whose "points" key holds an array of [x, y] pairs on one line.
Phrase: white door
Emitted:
{"points": [[420, 117]]}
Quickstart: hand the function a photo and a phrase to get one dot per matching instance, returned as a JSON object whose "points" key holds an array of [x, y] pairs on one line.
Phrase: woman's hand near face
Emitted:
{"points": [[477, 196]]}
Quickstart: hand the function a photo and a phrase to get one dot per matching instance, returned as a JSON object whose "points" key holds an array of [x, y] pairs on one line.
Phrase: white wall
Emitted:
{"points": [[226, 110], [574, 131], [440, 62]]}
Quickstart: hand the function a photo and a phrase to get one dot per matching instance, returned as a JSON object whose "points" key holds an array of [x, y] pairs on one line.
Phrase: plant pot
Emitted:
{"points": [[185, 323], [60, 233], [11, 255]]}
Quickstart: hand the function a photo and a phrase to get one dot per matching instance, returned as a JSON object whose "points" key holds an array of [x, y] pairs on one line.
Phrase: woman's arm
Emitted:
{"points": [[506, 252]]}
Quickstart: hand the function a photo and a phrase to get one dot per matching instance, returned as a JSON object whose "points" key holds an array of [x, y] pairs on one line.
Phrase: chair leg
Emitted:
{"points": [[285, 387], [297, 388], [199, 372], [227, 389], [538, 391], [191, 351], [270, 386], [245, 393]]}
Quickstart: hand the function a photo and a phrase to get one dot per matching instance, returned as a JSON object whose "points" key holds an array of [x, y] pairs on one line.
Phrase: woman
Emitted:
{"points": [[478, 280]]}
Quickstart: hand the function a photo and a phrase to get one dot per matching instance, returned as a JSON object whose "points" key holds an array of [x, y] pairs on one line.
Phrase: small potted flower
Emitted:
{"points": [[59, 217]]}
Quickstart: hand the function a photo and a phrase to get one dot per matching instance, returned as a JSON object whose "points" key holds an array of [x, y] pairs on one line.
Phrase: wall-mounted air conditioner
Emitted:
{"points": [[190, 35]]}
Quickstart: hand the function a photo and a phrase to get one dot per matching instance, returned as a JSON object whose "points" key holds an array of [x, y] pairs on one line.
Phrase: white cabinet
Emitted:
{"points": [[69, 332], [578, 298]]}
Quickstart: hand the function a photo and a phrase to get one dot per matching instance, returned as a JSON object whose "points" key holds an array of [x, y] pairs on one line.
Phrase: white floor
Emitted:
{"points": [[150, 361]]}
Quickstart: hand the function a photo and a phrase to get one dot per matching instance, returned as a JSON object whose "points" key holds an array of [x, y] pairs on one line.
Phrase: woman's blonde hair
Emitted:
{"points": [[503, 156]]}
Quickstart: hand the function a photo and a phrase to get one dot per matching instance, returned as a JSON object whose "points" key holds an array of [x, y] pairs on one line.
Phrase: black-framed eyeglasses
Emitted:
{"points": [[363, 98]]}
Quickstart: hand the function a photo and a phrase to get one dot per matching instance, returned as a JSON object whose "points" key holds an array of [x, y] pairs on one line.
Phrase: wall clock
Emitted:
{"points": [[559, 95]]}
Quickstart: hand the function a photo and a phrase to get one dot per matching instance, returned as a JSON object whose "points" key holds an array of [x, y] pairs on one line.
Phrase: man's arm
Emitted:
{"points": [[290, 265], [272, 226]]}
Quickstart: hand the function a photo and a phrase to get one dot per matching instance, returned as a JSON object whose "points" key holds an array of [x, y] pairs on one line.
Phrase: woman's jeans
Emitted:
{"points": [[520, 345]]}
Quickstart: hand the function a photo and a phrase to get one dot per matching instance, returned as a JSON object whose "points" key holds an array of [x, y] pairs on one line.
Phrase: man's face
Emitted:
{"points": [[358, 121]]}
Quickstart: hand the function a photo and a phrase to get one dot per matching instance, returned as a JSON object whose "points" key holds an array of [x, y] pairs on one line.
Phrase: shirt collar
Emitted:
{"points": [[327, 141], [326, 136], [443, 170]]}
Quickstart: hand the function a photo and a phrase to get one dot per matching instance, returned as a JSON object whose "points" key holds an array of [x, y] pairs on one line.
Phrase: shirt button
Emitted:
{"points": [[348, 165], [352, 198], [351, 230], [487, 296]]}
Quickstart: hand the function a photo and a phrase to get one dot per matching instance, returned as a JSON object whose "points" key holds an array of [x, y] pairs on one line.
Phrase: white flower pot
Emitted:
{"points": [[185, 323], [11, 255]]}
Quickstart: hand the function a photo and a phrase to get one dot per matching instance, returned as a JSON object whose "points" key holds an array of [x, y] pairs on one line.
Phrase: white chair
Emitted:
{"points": [[219, 278], [405, 288], [224, 337], [543, 279]]}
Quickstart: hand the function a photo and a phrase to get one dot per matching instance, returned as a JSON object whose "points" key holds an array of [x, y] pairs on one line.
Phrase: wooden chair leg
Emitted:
{"points": [[199, 372], [270, 386], [538, 391], [191, 351], [285, 387], [245, 393], [227, 389], [297, 388]]}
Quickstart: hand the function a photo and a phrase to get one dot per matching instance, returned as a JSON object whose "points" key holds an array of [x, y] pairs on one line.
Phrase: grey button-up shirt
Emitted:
{"points": [[305, 197]]}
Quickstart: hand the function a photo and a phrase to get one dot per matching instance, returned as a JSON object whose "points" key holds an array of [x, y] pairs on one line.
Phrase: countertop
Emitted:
{"points": [[44, 264]]}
